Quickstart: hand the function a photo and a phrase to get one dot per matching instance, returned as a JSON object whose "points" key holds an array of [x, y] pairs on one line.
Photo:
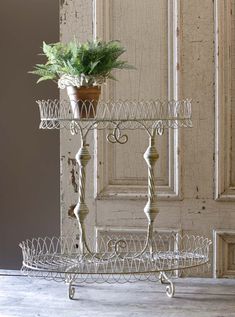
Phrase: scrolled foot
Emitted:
{"points": [[170, 290], [71, 291]]}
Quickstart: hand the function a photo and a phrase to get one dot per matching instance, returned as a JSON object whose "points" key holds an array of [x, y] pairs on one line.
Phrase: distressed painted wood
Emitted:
{"points": [[147, 50], [224, 93], [224, 253], [186, 199], [76, 21], [232, 114]]}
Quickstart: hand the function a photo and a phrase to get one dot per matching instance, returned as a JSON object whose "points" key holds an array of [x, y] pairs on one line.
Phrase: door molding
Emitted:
{"points": [[169, 187], [224, 190]]}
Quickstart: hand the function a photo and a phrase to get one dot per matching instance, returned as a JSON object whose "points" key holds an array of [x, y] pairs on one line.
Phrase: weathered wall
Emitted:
{"points": [[29, 160], [195, 208]]}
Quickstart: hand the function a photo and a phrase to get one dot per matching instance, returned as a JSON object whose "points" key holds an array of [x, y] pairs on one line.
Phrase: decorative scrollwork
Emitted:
{"points": [[170, 289], [69, 279], [71, 290], [57, 259], [74, 127], [159, 128], [116, 136], [116, 245], [132, 114]]}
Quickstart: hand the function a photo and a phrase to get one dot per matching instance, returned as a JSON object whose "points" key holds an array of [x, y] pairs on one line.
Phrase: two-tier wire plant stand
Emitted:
{"points": [[112, 259]]}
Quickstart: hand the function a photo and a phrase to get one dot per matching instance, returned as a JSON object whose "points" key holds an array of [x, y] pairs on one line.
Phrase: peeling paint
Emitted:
{"points": [[72, 161], [73, 180], [177, 32], [71, 211], [73, 172]]}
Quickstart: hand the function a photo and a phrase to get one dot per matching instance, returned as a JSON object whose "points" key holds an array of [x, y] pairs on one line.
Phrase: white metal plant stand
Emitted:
{"points": [[115, 258]]}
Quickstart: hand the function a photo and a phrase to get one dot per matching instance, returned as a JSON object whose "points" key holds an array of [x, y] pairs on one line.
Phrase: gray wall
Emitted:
{"points": [[29, 160]]}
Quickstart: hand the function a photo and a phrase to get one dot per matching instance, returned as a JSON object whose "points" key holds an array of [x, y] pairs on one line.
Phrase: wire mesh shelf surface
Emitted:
{"points": [[130, 114], [58, 258]]}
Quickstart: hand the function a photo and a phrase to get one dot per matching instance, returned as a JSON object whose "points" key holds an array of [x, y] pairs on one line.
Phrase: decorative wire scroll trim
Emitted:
{"points": [[164, 279], [65, 275], [115, 245], [116, 136], [102, 125], [74, 127], [172, 114], [73, 279], [71, 289], [170, 253], [159, 126]]}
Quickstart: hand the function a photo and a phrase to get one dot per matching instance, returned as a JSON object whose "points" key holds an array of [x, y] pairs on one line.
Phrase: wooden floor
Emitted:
{"points": [[24, 297]]}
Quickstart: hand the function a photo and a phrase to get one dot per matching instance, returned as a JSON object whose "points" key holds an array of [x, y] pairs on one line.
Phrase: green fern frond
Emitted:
{"points": [[93, 58]]}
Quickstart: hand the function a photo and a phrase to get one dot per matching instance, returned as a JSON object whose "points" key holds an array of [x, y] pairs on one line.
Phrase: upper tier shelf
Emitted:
{"points": [[129, 114]]}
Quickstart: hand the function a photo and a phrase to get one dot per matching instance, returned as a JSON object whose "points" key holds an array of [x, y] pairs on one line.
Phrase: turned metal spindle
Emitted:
{"points": [[151, 210], [81, 210]]}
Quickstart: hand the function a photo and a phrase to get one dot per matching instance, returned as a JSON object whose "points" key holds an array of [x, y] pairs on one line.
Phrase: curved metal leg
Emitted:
{"points": [[71, 290], [170, 289], [161, 278]]}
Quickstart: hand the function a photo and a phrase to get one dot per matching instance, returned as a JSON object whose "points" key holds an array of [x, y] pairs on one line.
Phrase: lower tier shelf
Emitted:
{"points": [[115, 259]]}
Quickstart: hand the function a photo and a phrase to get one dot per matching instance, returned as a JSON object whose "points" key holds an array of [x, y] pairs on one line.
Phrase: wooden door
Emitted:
{"points": [[173, 44]]}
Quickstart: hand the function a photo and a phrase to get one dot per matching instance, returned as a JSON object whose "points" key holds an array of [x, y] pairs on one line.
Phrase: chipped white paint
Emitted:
{"points": [[185, 179], [76, 21]]}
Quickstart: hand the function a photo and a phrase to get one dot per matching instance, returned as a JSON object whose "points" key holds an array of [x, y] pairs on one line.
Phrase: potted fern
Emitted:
{"points": [[81, 69]]}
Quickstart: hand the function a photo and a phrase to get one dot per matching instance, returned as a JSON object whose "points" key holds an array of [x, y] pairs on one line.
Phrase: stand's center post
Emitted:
{"points": [[81, 210], [151, 210]]}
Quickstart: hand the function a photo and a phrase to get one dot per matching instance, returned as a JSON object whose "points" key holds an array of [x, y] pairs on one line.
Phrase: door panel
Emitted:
{"points": [[177, 52], [134, 23]]}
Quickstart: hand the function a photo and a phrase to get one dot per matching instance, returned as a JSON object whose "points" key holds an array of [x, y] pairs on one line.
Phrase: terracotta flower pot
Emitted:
{"points": [[84, 101]]}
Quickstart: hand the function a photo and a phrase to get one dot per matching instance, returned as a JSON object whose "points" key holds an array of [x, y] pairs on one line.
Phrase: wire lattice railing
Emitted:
{"points": [[131, 114], [60, 258]]}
